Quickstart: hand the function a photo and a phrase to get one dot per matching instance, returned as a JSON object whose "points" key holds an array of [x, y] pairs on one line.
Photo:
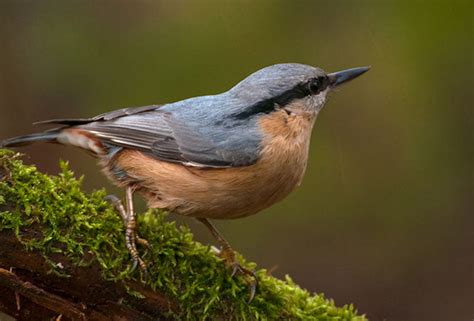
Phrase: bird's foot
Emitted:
{"points": [[228, 256], [131, 240], [131, 236]]}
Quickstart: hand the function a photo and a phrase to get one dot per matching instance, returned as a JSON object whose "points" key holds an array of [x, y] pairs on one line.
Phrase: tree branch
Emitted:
{"points": [[39, 296], [83, 295], [63, 257]]}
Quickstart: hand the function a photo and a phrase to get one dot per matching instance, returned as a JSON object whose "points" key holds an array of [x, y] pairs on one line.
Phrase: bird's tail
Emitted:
{"points": [[48, 136], [64, 135]]}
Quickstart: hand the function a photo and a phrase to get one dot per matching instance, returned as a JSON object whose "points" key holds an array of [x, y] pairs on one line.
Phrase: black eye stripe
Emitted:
{"points": [[311, 87]]}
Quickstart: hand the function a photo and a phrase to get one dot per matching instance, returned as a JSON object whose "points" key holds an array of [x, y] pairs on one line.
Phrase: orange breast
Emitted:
{"points": [[230, 192]]}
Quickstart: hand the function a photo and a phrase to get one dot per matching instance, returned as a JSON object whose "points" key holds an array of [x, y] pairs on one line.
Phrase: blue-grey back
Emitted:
{"points": [[218, 130], [218, 118]]}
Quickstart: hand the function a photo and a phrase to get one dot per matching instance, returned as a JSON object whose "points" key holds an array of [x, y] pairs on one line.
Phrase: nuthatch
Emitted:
{"points": [[222, 156]]}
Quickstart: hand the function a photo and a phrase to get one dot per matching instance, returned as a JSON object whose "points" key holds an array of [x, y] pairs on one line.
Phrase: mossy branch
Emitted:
{"points": [[62, 253]]}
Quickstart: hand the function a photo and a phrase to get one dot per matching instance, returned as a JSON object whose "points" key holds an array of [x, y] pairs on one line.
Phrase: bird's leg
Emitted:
{"points": [[129, 219], [131, 232], [228, 255], [118, 206]]}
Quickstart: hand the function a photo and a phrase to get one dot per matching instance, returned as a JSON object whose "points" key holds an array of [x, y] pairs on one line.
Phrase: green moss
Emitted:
{"points": [[78, 224]]}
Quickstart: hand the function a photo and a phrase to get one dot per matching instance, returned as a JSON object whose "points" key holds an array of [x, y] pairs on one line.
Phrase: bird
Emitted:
{"points": [[222, 156]]}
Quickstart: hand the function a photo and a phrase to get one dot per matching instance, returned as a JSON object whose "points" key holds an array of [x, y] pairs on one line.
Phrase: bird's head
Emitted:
{"points": [[291, 84]]}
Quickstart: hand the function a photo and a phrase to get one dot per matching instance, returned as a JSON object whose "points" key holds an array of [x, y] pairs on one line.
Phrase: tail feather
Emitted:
{"points": [[50, 137], [64, 121]]}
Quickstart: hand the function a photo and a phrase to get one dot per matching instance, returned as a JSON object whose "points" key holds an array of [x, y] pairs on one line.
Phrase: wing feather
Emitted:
{"points": [[178, 133], [166, 137]]}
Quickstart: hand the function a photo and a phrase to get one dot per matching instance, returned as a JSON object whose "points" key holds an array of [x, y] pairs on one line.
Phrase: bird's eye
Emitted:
{"points": [[317, 85], [314, 86]]}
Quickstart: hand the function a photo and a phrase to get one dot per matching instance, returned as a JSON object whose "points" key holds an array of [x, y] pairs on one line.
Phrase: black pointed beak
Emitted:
{"points": [[340, 77]]}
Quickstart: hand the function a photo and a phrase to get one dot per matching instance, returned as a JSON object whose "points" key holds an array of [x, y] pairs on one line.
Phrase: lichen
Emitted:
{"points": [[86, 229]]}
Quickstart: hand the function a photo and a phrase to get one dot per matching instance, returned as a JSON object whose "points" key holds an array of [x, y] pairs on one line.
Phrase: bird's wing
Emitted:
{"points": [[169, 138]]}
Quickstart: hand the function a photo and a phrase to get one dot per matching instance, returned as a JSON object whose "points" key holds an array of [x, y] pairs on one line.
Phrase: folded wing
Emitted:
{"points": [[161, 134]]}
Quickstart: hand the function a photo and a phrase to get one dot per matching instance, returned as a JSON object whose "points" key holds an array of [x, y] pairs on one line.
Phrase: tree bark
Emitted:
{"points": [[28, 291]]}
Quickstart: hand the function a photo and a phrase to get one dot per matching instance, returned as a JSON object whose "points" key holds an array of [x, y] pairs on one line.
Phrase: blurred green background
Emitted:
{"points": [[384, 218]]}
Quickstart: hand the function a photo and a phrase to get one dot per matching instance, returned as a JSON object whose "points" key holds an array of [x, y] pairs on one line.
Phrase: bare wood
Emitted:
{"points": [[39, 296], [82, 296]]}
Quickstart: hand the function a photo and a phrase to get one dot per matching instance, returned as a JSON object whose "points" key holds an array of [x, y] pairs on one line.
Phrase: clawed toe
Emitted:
{"points": [[118, 206], [142, 242], [112, 199], [253, 283], [228, 255], [138, 262]]}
